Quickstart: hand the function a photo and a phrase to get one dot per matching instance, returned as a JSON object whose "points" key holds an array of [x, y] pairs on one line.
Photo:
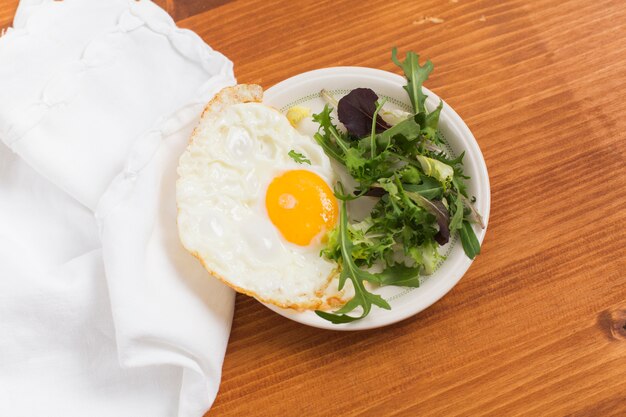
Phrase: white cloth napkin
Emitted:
{"points": [[102, 313]]}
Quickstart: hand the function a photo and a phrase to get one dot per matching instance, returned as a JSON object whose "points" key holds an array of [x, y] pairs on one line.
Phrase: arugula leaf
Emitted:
{"points": [[469, 240], [356, 111], [298, 157], [349, 270], [415, 76]]}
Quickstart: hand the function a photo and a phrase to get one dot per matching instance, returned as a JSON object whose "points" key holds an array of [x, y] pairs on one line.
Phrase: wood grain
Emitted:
{"points": [[537, 325], [526, 332], [7, 11]]}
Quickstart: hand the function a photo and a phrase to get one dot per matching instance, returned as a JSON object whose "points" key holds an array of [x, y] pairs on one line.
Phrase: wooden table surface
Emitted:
{"points": [[538, 324]]}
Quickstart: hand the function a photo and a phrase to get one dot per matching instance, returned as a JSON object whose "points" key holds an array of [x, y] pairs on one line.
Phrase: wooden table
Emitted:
{"points": [[538, 324]]}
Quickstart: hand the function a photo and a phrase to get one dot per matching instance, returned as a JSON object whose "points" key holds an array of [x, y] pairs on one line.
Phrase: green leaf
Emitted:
{"points": [[429, 188], [469, 240], [351, 305], [369, 248], [388, 185], [328, 148], [431, 257], [457, 166], [332, 250], [400, 275], [457, 218], [410, 175], [374, 128], [298, 157], [356, 163], [323, 118], [365, 170], [325, 136], [349, 270], [336, 318], [426, 255], [432, 119], [436, 169], [378, 301], [437, 209], [446, 160], [431, 124], [459, 185], [408, 129], [415, 75]]}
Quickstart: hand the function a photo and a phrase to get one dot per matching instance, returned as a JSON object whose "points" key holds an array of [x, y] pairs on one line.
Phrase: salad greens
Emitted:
{"points": [[421, 194]]}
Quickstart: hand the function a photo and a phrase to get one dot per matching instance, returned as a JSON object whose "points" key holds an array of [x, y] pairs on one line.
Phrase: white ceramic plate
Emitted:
{"points": [[304, 89]]}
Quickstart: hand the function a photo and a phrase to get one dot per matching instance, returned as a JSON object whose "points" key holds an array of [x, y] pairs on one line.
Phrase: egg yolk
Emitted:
{"points": [[301, 205]]}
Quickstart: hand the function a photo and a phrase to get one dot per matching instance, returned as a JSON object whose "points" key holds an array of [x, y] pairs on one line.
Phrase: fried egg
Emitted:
{"points": [[253, 216]]}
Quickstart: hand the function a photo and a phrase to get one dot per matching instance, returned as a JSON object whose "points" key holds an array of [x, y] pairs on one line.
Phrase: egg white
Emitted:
{"points": [[222, 219]]}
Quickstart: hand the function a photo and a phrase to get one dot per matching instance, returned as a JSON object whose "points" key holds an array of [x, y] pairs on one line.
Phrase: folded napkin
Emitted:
{"points": [[102, 313]]}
